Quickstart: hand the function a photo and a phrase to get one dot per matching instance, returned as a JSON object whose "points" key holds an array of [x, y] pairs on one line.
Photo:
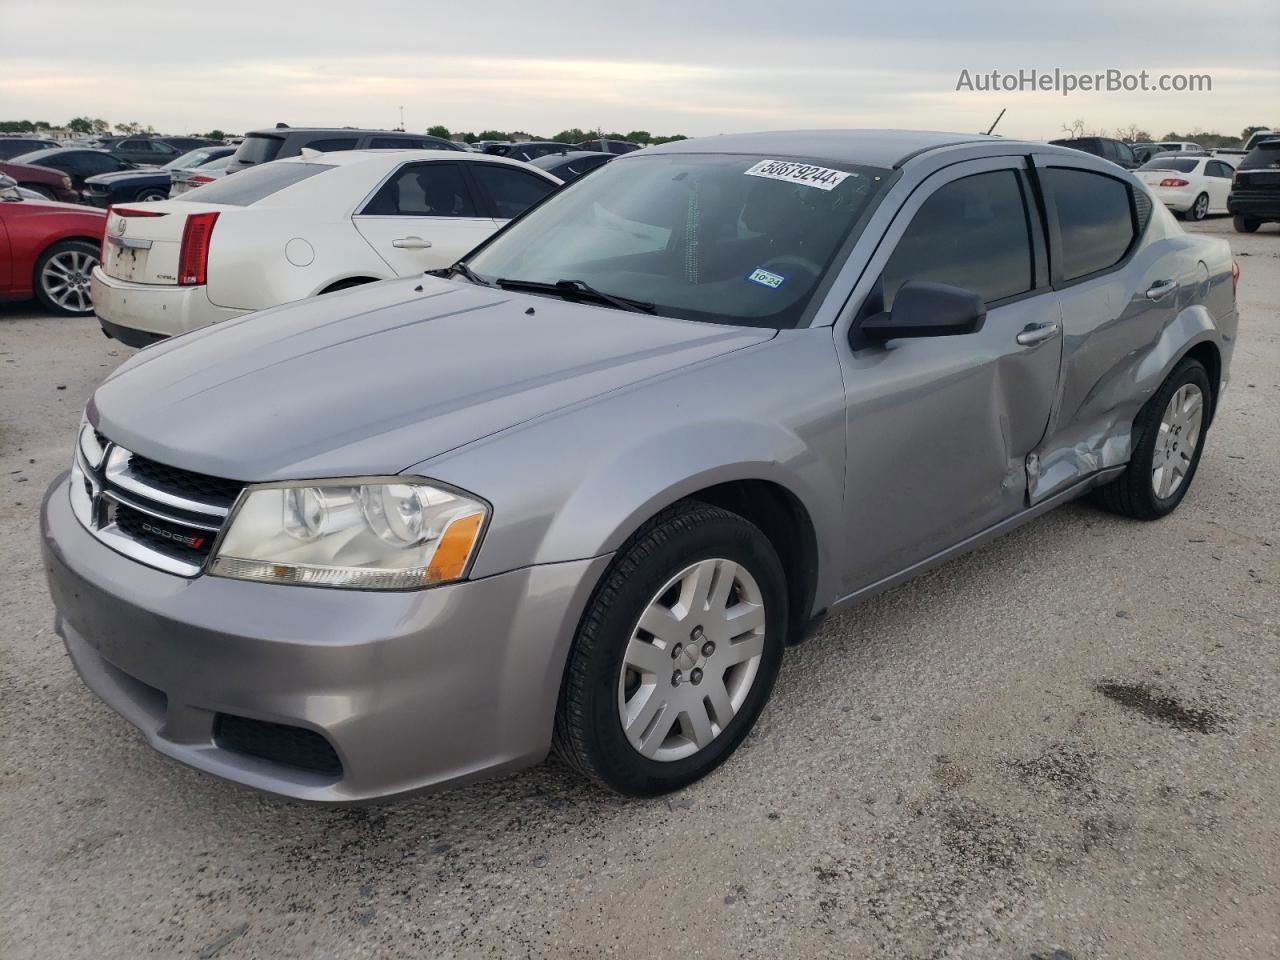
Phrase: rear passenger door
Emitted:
{"points": [[939, 429], [1117, 293], [424, 216], [509, 191], [1217, 176]]}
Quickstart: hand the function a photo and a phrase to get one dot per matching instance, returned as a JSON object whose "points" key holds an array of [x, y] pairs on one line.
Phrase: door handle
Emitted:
{"points": [[1037, 333], [411, 243], [1161, 288]]}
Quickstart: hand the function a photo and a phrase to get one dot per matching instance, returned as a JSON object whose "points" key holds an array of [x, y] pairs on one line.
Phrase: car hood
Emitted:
{"points": [[377, 378]]}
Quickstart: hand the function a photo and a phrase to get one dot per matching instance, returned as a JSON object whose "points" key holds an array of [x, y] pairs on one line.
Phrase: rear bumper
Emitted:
{"points": [[412, 690], [1261, 205], [153, 311], [1176, 198]]}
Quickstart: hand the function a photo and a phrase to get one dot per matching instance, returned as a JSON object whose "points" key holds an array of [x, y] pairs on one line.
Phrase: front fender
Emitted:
{"points": [[577, 483]]}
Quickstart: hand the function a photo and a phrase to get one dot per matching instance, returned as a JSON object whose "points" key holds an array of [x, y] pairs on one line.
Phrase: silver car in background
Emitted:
{"points": [[581, 490]]}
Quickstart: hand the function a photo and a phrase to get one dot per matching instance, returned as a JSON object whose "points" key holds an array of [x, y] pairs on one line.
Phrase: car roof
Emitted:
{"points": [[874, 148], [288, 131], [390, 157]]}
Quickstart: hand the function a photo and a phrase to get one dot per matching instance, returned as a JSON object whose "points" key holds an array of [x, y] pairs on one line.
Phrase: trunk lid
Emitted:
{"points": [[143, 239]]}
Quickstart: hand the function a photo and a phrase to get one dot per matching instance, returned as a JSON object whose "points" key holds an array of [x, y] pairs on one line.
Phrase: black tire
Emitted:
{"points": [[1131, 494], [39, 188], [47, 295], [589, 734], [1195, 212], [151, 193], [1245, 224]]}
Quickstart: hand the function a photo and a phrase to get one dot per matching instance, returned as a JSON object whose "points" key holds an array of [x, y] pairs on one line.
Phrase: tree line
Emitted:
{"points": [[1136, 134], [572, 135], [93, 127]]}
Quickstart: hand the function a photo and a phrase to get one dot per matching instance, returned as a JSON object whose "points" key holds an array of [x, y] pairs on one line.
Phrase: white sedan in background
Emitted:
{"points": [[1194, 186], [298, 227]]}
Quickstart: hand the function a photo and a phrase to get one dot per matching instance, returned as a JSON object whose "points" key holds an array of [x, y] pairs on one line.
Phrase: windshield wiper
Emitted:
{"points": [[446, 272], [576, 290]]}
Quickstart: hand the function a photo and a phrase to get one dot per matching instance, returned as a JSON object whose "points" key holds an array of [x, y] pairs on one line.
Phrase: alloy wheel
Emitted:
{"points": [[1176, 441], [1202, 206], [691, 660], [65, 279]]}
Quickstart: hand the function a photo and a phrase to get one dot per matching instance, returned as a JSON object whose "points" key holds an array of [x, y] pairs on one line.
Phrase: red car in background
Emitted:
{"points": [[51, 183], [48, 250]]}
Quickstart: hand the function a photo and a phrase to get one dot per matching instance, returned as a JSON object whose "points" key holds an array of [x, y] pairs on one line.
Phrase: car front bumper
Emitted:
{"points": [[153, 310], [413, 690]]}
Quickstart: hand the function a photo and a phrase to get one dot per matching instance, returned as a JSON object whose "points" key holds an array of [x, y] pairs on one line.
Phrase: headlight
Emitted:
{"points": [[392, 533], [66, 183], [91, 448]]}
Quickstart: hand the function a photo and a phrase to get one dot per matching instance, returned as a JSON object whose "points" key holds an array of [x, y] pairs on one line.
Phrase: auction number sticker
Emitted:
{"points": [[765, 278], [790, 171]]}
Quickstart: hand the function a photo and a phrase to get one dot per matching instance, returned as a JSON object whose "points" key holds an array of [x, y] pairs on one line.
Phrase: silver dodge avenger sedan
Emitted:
{"points": [[581, 490]]}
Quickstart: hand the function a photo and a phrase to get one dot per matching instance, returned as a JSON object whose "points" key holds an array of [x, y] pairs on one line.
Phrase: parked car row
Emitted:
{"points": [[580, 489]]}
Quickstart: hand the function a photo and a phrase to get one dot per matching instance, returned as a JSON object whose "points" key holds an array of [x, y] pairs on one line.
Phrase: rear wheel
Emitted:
{"points": [[676, 654], [1171, 431], [1245, 224], [153, 193], [62, 274], [1200, 209]]}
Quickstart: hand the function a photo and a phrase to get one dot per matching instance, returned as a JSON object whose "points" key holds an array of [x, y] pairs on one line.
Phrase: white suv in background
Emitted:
{"points": [[298, 227]]}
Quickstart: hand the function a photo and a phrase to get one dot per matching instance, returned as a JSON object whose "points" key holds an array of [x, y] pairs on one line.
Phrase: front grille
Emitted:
{"points": [[277, 743], [186, 482], [174, 539], [163, 516]]}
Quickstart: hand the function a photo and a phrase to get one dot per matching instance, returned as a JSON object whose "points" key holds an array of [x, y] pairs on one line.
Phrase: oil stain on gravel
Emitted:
{"points": [[1142, 699]]}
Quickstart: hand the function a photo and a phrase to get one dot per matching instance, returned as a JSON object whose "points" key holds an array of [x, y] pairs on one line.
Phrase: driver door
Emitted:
{"points": [[939, 428]]}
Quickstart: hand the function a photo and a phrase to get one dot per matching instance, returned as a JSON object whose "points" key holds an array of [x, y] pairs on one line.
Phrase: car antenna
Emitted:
{"points": [[997, 120]]}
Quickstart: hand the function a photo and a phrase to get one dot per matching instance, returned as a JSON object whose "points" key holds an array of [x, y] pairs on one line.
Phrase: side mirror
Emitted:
{"points": [[9, 188], [922, 309]]}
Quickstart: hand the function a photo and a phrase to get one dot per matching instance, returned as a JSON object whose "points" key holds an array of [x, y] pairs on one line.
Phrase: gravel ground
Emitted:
{"points": [[1064, 745]]}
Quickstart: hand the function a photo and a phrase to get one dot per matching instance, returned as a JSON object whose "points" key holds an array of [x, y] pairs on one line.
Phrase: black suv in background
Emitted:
{"points": [[609, 146], [263, 146], [1255, 188], [1117, 151]]}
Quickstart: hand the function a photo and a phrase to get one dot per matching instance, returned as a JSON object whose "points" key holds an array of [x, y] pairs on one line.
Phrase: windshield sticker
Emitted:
{"points": [[789, 171], [766, 279]]}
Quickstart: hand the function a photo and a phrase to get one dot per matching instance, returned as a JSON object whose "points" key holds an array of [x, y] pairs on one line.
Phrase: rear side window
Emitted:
{"points": [[257, 148], [424, 190], [513, 191], [332, 144], [250, 186], [972, 233], [1095, 219]]}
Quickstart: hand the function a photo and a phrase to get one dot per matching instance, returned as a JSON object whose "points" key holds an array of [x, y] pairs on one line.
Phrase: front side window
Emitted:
{"points": [[513, 191], [424, 190], [972, 233], [250, 186], [725, 238], [1095, 219]]}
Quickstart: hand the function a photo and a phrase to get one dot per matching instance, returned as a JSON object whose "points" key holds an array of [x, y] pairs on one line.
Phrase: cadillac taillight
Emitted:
{"points": [[193, 256]]}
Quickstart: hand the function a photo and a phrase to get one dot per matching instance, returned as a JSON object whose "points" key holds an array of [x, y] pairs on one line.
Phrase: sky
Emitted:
{"points": [[690, 67]]}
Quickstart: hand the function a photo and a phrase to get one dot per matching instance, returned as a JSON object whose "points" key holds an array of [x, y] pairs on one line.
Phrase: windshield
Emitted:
{"points": [[1180, 164], [1265, 154], [726, 238], [193, 158], [259, 148]]}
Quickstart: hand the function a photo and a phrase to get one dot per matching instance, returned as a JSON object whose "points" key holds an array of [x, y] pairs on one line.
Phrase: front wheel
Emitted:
{"points": [[1245, 224], [676, 654], [62, 277], [1171, 434]]}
